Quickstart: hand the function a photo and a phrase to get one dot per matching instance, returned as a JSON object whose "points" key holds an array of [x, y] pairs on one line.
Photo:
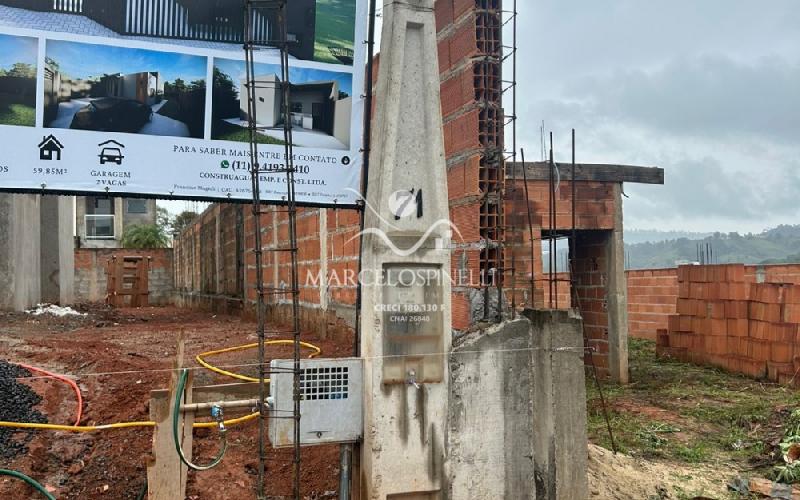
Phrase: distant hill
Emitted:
{"points": [[776, 245], [634, 236]]}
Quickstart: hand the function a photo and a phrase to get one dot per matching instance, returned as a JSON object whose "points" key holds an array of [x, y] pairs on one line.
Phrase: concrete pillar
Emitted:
{"points": [[119, 219], [57, 250], [617, 293], [490, 427], [559, 405], [407, 232], [20, 284]]}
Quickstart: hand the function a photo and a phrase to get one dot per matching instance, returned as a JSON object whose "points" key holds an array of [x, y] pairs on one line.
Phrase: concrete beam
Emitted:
{"points": [[540, 171]]}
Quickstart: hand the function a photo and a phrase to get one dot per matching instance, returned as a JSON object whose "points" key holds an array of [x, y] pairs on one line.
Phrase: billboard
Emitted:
{"points": [[147, 98]]}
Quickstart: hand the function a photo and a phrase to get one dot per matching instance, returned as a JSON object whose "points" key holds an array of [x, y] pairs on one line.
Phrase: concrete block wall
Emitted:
{"points": [[725, 320], [91, 280]]}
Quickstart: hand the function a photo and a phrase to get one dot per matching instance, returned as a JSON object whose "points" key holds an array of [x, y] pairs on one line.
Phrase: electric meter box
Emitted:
{"points": [[331, 405]]}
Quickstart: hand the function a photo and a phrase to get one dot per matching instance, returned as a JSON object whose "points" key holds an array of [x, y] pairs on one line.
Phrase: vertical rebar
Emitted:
{"points": [[250, 46], [530, 226], [258, 251], [552, 222], [514, 146], [573, 234]]}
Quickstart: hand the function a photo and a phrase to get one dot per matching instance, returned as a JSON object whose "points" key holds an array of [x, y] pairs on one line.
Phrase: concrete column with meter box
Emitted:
{"points": [[405, 308]]}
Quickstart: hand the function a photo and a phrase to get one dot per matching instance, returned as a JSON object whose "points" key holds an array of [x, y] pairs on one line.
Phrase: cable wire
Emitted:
{"points": [[37, 486], [176, 411], [216, 369]]}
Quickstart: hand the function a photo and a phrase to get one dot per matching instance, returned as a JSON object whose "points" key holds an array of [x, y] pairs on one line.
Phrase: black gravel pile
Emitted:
{"points": [[16, 405]]}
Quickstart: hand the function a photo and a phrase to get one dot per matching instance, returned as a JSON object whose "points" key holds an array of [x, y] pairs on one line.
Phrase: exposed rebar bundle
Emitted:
{"points": [[253, 44]]}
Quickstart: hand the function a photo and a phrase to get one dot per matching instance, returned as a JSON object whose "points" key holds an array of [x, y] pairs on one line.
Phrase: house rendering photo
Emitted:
{"points": [[116, 89], [320, 102], [18, 80], [319, 30]]}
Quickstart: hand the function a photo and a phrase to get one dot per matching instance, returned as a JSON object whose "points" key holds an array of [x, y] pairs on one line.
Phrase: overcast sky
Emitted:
{"points": [[708, 90]]}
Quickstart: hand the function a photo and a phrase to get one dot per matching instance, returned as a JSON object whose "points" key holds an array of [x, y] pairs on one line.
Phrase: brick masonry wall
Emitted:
{"points": [[653, 293], [90, 273], [726, 320], [652, 296]]}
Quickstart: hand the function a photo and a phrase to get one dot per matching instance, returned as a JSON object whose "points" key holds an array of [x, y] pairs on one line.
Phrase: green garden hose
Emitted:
{"points": [[175, 431], [37, 486]]}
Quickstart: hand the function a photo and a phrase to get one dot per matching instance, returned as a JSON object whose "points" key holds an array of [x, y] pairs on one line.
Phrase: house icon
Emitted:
{"points": [[48, 146]]}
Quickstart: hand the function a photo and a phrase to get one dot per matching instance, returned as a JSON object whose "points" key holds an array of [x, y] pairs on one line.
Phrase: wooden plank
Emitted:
{"points": [[144, 282], [220, 392], [225, 392], [165, 472], [188, 422], [540, 171]]}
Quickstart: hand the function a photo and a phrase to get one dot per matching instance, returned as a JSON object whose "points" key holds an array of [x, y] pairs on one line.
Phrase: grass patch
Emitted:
{"points": [[224, 131], [691, 414], [18, 114], [335, 28]]}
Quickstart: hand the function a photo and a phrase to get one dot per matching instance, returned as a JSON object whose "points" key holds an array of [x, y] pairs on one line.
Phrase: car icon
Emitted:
{"points": [[112, 155]]}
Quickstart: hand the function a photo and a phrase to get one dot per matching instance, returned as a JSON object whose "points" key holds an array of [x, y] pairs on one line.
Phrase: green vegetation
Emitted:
{"points": [[693, 415], [335, 29], [145, 236], [183, 220], [20, 70], [224, 131], [772, 246], [17, 114]]}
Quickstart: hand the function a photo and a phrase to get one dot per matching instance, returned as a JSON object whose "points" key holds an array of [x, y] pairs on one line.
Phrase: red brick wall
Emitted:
{"points": [[726, 320], [590, 287], [90, 273], [652, 295]]}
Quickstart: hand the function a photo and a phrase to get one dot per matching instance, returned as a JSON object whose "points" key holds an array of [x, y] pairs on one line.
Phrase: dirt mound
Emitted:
{"points": [[622, 477]]}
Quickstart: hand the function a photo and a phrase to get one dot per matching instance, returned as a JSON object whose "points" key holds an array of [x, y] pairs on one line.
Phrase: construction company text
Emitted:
{"points": [[152, 101]]}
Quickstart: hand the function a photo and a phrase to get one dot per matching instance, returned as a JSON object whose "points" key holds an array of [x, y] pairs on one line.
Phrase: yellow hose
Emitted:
{"points": [[214, 369], [118, 425], [149, 423]]}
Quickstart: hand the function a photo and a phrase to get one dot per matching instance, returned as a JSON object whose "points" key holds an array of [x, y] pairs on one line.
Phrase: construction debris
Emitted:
{"points": [[54, 310], [16, 405]]}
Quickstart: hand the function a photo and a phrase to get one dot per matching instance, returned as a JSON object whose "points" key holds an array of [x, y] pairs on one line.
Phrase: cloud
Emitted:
{"points": [[705, 96]]}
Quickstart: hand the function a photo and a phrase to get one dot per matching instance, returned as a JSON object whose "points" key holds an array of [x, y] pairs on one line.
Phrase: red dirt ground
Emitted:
{"points": [[118, 356]]}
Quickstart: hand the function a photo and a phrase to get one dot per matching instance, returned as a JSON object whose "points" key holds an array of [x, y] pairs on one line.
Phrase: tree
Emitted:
{"points": [[145, 236], [183, 220], [51, 63], [225, 97], [22, 70], [163, 219]]}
